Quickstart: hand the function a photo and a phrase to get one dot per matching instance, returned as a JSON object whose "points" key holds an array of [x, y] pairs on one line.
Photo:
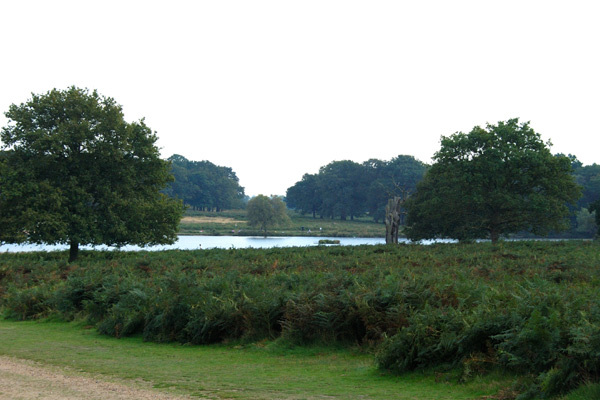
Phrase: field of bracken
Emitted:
{"points": [[527, 307]]}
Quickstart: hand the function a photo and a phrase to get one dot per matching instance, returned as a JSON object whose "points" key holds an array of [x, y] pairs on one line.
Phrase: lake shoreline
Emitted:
{"points": [[198, 242]]}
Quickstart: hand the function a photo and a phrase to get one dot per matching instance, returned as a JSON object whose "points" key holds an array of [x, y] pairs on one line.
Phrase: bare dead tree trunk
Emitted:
{"points": [[392, 219], [394, 215]]}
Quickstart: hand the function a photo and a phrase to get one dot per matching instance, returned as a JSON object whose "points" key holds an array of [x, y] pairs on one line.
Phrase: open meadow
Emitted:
{"points": [[234, 222], [409, 321], [261, 370]]}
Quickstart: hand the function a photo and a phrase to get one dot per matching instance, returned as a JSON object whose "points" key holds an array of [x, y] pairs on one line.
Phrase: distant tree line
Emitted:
{"points": [[492, 181], [73, 171], [586, 217], [346, 189], [204, 186], [588, 176]]}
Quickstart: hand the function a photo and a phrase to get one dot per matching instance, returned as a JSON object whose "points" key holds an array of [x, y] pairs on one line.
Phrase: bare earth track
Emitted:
{"points": [[214, 220], [25, 380]]}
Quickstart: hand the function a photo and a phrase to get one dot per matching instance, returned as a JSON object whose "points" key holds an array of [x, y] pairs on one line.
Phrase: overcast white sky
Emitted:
{"points": [[275, 89]]}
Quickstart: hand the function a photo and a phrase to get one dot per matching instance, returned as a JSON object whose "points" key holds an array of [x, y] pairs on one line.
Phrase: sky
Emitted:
{"points": [[276, 89]]}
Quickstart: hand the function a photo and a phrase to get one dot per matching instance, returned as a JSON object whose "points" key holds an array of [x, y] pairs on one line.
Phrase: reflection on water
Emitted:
{"points": [[210, 242]]}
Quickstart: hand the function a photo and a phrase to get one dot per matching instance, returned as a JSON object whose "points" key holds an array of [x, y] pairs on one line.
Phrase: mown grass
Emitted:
{"points": [[530, 308], [255, 371], [300, 225]]}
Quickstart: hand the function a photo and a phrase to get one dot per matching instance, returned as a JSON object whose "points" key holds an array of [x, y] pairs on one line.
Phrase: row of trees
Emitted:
{"points": [[487, 183], [346, 189], [586, 213], [588, 177], [73, 171], [203, 185]]}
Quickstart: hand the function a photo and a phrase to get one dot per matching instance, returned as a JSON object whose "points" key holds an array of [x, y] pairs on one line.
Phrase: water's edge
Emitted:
{"points": [[195, 242]]}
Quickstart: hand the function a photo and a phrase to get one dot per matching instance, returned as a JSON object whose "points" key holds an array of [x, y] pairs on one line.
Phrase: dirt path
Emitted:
{"points": [[214, 220], [25, 380]]}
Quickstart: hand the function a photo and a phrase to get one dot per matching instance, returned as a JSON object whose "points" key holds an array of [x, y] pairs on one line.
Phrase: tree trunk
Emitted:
{"points": [[494, 235], [73, 251], [392, 220]]}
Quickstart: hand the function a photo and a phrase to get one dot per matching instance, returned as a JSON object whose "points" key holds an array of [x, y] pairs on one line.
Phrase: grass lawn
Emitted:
{"points": [[259, 371]]}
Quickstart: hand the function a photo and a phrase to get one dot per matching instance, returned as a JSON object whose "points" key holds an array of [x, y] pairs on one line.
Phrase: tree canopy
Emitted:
{"points": [[588, 176], [397, 177], [347, 189], [204, 185], [264, 212], [74, 172], [595, 208], [492, 181]]}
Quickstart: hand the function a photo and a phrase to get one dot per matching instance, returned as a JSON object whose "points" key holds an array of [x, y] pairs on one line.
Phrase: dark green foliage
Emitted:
{"points": [[595, 207], [323, 313], [526, 307], [493, 181], [531, 342], [203, 185], [346, 189], [27, 303], [264, 212], [430, 338], [588, 176], [329, 241], [397, 177], [342, 185], [306, 195], [70, 297], [74, 172], [168, 317], [127, 316]]}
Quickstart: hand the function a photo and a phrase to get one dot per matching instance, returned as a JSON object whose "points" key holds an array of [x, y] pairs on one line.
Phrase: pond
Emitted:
{"points": [[210, 242]]}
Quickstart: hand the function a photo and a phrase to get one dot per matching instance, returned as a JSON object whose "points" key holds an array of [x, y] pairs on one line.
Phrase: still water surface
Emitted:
{"points": [[210, 242]]}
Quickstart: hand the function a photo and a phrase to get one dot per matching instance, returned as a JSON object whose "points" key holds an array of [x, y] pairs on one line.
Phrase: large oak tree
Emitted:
{"points": [[74, 172], [492, 181]]}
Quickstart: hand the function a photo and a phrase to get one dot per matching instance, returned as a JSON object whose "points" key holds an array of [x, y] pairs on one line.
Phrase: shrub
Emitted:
{"points": [[431, 337], [27, 303], [128, 315], [526, 306]]}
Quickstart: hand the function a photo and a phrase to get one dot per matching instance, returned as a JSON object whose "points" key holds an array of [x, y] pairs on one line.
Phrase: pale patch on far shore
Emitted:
{"points": [[212, 220]]}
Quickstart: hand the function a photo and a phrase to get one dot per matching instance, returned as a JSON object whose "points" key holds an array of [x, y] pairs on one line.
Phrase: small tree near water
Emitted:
{"points": [[586, 222], [264, 212]]}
